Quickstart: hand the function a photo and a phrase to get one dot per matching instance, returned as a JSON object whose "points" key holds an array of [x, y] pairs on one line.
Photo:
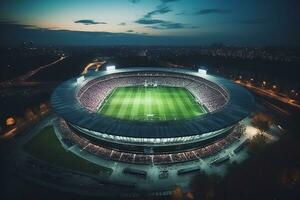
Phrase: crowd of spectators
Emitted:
{"points": [[93, 94], [117, 155]]}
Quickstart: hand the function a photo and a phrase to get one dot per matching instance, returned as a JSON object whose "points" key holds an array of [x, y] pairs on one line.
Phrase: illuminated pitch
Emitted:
{"points": [[151, 104]]}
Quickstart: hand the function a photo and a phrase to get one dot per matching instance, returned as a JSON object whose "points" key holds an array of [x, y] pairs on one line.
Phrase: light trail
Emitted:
{"points": [[271, 94], [9, 133], [90, 65], [277, 108], [22, 80], [33, 72]]}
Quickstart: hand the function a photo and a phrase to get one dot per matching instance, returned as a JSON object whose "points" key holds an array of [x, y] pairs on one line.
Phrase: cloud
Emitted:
{"points": [[13, 33], [162, 1], [211, 11], [181, 13], [168, 1], [159, 10], [88, 22], [171, 25], [148, 21], [122, 24], [134, 1], [162, 24], [15, 25], [135, 32], [168, 25]]}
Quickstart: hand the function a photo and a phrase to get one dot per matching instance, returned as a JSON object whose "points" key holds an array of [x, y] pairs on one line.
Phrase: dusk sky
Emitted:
{"points": [[150, 22]]}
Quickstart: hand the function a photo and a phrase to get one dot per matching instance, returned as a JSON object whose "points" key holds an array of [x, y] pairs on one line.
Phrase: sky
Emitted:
{"points": [[150, 22]]}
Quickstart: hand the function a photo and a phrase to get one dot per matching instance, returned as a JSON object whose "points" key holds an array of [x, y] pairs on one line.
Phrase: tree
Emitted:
{"points": [[205, 186], [177, 193], [262, 121], [258, 142]]}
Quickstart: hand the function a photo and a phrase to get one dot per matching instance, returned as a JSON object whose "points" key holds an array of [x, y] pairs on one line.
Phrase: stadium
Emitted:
{"points": [[150, 116]]}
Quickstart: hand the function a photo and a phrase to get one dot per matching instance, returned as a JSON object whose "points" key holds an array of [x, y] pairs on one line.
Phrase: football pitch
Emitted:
{"points": [[151, 104]]}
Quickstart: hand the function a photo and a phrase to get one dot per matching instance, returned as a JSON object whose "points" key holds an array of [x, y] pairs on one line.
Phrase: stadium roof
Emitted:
{"points": [[240, 104]]}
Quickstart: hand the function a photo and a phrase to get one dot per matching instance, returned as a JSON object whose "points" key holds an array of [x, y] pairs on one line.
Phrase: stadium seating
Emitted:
{"points": [[116, 155], [94, 93]]}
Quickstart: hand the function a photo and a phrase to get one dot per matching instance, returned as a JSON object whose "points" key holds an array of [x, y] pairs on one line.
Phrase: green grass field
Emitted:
{"points": [[151, 104], [46, 146]]}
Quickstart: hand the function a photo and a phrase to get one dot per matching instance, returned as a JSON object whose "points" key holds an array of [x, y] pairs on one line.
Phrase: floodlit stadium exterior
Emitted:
{"points": [[236, 104]]}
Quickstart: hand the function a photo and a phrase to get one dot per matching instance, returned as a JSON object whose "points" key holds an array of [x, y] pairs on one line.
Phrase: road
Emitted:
{"points": [[26, 76], [22, 126], [270, 94], [22, 80]]}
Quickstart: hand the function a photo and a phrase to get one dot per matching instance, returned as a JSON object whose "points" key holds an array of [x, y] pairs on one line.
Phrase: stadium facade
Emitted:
{"points": [[151, 140]]}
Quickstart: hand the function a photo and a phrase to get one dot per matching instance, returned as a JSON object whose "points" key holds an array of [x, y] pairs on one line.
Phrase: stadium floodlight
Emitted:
{"points": [[202, 71], [80, 79], [110, 68]]}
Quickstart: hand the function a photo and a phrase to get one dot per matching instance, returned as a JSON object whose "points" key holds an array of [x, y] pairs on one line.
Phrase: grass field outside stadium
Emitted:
{"points": [[46, 146], [142, 103]]}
